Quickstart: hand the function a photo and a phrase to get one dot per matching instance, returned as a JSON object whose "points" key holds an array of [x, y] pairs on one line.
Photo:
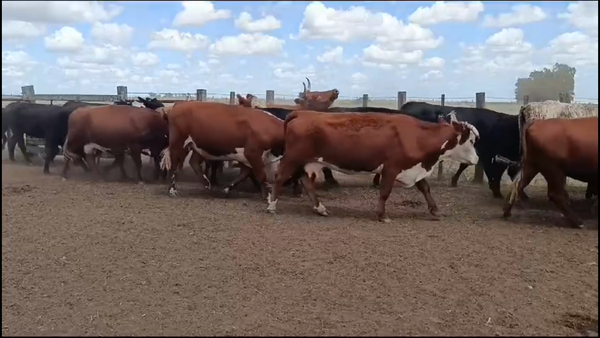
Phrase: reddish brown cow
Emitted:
{"points": [[316, 100], [222, 132], [399, 147], [558, 148], [115, 129]]}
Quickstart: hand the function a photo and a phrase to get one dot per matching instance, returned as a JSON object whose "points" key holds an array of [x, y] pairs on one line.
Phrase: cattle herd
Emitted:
{"points": [[277, 145]]}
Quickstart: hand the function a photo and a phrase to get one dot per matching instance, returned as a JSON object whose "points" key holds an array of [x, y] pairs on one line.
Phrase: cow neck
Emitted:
{"points": [[445, 139]]}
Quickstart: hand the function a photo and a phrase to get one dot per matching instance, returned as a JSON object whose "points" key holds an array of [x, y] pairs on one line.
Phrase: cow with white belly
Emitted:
{"points": [[401, 148], [222, 132]]}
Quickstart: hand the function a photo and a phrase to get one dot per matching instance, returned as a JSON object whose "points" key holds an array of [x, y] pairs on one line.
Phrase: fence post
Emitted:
{"points": [[200, 94], [401, 99], [479, 103], [270, 96], [28, 93], [365, 100], [231, 97], [525, 100], [122, 92], [441, 163]]}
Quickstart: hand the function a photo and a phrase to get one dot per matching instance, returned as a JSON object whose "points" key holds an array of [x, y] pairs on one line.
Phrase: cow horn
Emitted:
{"points": [[452, 116], [309, 85], [304, 85]]}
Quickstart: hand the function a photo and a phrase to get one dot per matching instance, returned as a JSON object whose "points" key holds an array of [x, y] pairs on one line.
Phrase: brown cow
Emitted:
{"points": [[316, 100], [115, 129], [558, 148], [221, 132], [399, 147]]}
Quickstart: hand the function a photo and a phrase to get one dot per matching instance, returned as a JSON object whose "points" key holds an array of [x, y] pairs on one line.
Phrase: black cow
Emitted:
{"points": [[36, 120], [499, 135]]}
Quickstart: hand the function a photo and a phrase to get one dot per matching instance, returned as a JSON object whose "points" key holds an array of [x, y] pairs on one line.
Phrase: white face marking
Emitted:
{"points": [[463, 153]]}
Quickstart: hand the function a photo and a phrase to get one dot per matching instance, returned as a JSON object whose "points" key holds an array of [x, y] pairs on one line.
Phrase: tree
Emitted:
{"points": [[547, 84]]}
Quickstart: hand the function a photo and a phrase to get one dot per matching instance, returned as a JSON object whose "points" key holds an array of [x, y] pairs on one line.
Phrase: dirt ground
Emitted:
{"points": [[115, 258]]}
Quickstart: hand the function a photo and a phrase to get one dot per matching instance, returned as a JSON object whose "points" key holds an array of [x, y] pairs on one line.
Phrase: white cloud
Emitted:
{"points": [[105, 54], [379, 54], [179, 41], [268, 23], [520, 14], [433, 62], [144, 59], [574, 48], [199, 13], [113, 33], [358, 77], [395, 42], [333, 55], [20, 30], [509, 40], [442, 11], [433, 74], [15, 64], [583, 15], [248, 44], [59, 12], [66, 39]]}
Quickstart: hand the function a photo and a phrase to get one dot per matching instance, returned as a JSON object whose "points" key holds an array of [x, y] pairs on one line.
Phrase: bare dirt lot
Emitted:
{"points": [[115, 258]]}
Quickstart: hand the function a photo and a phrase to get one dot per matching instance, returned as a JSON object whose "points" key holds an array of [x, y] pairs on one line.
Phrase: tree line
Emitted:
{"points": [[547, 84]]}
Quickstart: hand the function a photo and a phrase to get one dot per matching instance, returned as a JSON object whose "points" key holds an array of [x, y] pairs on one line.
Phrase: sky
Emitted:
{"points": [[379, 48]]}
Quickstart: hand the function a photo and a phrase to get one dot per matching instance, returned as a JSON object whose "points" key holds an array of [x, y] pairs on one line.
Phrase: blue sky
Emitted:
{"points": [[425, 48]]}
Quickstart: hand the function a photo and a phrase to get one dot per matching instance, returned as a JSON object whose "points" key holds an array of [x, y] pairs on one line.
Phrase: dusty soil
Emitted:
{"points": [[115, 258]]}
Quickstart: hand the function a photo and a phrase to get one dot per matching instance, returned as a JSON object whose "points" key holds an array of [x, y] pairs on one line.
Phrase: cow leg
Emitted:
{"points": [[49, 151], [255, 160], [494, 172], [527, 174], [376, 180], [309, 185], [284, 173], [216, 168], [245, 172], [388, 176], [196, 164], [559, 195], [136, 156], [454, 181], [12, 142], [330, 181], [120, 162], [21, 142], [424, 188]]}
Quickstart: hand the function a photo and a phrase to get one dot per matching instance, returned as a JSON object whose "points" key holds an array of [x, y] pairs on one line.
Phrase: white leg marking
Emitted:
{"points": [[321, 210], [173, 192], [272, 205]]}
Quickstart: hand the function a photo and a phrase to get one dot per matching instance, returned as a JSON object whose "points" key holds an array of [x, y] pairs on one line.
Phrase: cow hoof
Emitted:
{"points": [[30, 164], [64, 179], [271, 211], [173, 192], [454, 184], [385, 220], [141, 183], [580, 226], [226, 190], [506, 214], [321, 210]]}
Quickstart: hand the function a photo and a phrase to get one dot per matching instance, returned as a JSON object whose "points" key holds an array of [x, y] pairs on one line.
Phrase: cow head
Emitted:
{"points": [[152, 103], [461, 148], [316, 100], [121, 102], [246, 101]]}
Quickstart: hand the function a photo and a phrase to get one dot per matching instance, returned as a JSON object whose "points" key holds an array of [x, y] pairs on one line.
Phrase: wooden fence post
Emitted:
{"points": [[441, 163], [200, 94], [270, 96], [525, 100], [231, 97], [365, 100], [479, 103], [122, 92], [28, 93], [401, 99]]}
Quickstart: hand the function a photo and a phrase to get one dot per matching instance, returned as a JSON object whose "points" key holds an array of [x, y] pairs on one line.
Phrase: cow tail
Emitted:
{"points": [[67, 154], [523, 126], [165, 162], [288, 119]]}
